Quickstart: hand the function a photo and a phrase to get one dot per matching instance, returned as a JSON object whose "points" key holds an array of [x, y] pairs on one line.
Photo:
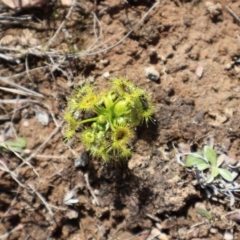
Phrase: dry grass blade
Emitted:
{"points": [[20, 92], [13, 174], [17, 155], [42, 145], [42, 199], [7, 80], [8, 233], [90, 189]]}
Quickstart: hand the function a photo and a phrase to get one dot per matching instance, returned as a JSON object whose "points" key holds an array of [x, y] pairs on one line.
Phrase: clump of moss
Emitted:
{"points": [[107, 120]]}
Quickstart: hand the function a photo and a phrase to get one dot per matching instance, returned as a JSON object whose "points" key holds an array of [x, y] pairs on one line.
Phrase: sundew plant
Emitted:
{"points": [[107, 120]]}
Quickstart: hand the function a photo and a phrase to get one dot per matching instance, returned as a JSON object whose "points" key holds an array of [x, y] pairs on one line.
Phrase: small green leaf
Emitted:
{"points": [[17, 145], [203, 166], [210, 179], [215, 171], [210, 154], [225, 174], [192, 160], [204, 213]]}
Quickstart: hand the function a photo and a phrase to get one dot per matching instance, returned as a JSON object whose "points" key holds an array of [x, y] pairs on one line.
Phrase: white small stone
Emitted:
{"points": [[154, 233], [163, 236], [228, 66], [213, 230], [104, 62], [228, 236], [106, 75], [26, 124], [152, 73]]}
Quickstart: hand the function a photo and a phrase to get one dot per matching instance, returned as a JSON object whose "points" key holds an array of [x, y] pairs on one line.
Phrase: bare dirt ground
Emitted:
{"points": [[194, 46]]}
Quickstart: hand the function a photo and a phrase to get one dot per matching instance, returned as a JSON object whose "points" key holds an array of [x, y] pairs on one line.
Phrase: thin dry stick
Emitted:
{"points": [[14, 101], [61, 25], [12, 90], [233, 14], [9, 82], [13, 174], [43, 144], [90, 189], [18, 155], [8, 233], [41, 198], [121, 40], [11, 205]]}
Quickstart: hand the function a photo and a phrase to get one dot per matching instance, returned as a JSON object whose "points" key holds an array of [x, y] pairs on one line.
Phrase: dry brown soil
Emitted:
{"points": [[195, 48]]}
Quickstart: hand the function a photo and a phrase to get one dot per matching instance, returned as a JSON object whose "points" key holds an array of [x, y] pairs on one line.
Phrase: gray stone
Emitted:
{"points": [[152, 73], [82, 161]]}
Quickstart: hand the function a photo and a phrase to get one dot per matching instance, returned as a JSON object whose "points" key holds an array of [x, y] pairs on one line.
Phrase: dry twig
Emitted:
{"points": [[233, 14], [90, 189]]}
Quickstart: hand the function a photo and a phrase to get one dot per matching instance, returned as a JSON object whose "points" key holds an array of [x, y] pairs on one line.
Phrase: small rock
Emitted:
{"points": [[163, 236], [213, 230], [26, 124], [152, 73], [104, 62], [199, 70], [67, 3], [82, 161], [96, 191], [106, 75], [214, 9], [228, 236], [152, 53], [42, 117], [228, 66], [72, 214], [154, 234]]}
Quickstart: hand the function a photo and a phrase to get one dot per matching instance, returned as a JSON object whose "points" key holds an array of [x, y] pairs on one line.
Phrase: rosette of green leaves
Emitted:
{"points": [[207, 160]]}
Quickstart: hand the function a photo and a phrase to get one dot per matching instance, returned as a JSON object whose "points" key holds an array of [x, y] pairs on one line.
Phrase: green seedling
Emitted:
{"points": [[207, 160], [206, 215], [18, 145], [107, 120]]}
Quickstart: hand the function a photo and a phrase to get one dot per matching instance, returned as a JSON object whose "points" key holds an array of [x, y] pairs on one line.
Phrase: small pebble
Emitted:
{"points": [[163, 236], [154, 234], [26, 124], [152, 53], [72, 214], [106, 75], [152, 73], [104, 62], [228, 236], [82, 161], [199, 70], [228, 66], [96, 191], [213, 230], [42, 117]]}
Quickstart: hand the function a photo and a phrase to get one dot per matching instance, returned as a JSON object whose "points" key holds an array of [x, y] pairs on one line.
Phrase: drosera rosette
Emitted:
{"points": [[213, 171], [107, 120]]}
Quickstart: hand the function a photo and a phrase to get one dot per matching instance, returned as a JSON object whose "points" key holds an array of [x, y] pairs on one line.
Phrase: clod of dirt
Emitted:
{"points": [[214, 9], [152, 73]]}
